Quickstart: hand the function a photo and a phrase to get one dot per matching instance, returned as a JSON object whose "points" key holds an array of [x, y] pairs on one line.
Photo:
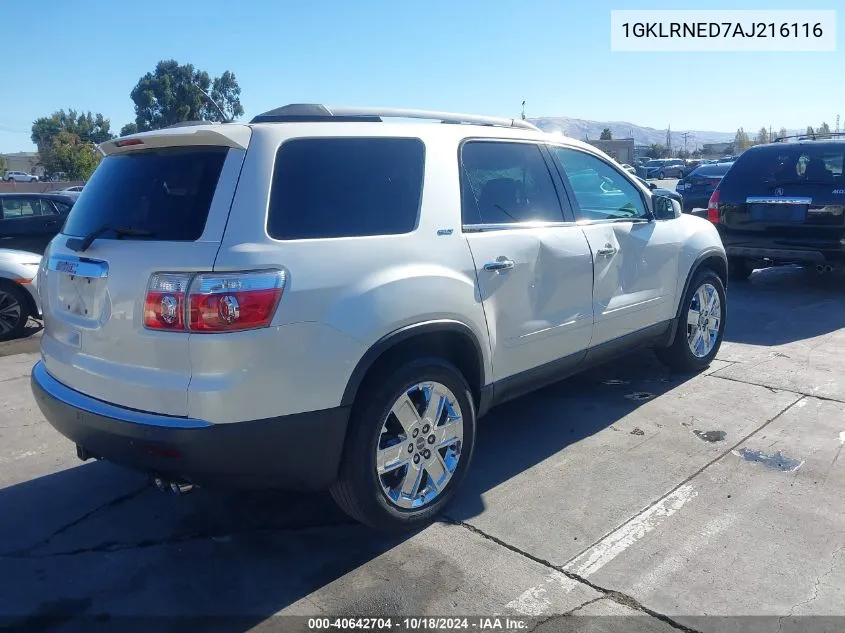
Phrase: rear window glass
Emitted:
{"points": [[711, 170], [164, 192], [792, 164], [346, 187]]}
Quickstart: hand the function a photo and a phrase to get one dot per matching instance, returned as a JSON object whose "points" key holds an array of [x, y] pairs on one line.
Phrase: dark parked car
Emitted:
{"points": [[28, 221], [783, 203], [700, 184], [665, 168], [660, 191]]}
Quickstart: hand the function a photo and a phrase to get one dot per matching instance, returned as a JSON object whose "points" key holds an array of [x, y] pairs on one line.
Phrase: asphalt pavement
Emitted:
{"points": [[626, 497]]}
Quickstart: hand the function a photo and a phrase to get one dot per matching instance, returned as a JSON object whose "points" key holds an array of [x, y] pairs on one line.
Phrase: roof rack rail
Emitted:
{"points": [[311, 112], [806, 137]]}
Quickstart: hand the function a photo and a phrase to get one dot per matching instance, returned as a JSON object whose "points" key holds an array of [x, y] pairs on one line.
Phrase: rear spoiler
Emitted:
{"points": [[229, 135]]}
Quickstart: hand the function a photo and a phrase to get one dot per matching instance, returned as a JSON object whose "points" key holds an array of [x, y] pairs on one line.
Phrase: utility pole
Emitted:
{"points": [[523, 109], [837, 122], [686, 134], [669, 139]]}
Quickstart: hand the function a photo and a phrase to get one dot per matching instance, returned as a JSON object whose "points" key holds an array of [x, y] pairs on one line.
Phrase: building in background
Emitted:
{"points": [[621, 149], [715, 150], [24, 161]]}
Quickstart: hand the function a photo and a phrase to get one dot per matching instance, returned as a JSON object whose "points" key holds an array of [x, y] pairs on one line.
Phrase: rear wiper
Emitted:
{"points": [[80, 244]]}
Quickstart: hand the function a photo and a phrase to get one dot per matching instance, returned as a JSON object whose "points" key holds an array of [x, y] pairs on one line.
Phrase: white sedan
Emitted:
{"points": [[18, 291]]}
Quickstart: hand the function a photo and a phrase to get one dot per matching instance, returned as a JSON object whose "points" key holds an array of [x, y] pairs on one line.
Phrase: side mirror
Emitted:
{"points": [[665, 208]]}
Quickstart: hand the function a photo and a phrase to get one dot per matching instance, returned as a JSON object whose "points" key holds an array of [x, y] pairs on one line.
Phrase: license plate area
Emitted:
{"points": [[78, 295], [778, 213], [78, 284]]}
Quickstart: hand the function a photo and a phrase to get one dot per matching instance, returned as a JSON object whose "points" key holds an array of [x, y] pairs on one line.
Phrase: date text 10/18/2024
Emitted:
{"points": [[424, 623]]}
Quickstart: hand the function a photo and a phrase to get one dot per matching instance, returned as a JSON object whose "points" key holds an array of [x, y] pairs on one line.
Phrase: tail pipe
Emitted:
{"points": [[177, 488]]}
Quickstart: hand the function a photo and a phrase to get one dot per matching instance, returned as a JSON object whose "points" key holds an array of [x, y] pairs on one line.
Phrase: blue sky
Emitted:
{"points": [[459, 55]]}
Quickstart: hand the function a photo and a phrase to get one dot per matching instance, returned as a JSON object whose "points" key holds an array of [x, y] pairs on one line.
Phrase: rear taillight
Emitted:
{"points": [[164, 306], [224, 302], [213, 302], [713, 207]]}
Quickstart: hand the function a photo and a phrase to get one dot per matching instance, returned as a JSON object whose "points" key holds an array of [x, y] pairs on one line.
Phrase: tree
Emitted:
{"points": [[682, 153], [2, 164], [741, 140], [810, 131], [824, 129], [74, 156], [129, 128], [86, 129], [173, 93], [782, 133], [763, 136], [606, 134], [655, 150]]}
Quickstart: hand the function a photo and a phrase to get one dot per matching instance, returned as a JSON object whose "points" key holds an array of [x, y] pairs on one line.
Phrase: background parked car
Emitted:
{"points": [[665, 168], [783, 203], [74, 189], [689, 166], [699, 185], [28, 221], [18, 292], [660, 191], [19, 176]]}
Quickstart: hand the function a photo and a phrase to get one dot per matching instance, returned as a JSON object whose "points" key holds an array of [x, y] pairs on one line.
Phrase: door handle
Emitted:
{"points": [[609, 249], [501, 263]]}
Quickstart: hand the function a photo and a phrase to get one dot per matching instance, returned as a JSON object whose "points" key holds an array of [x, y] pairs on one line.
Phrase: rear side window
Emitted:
{"points": [[346, 187], [164, 192], [506, 183]]}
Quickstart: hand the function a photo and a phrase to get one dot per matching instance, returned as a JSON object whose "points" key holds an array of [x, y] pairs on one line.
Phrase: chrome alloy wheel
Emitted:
{"points": [[419, 445], [10, 312], [703, 320]]}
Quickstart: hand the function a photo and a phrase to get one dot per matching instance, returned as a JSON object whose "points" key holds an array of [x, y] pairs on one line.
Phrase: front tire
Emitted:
{"points": [[701, 327], [409, 444], [14, 312]]}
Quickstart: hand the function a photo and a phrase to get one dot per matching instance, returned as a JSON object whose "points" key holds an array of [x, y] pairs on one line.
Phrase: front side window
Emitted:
{"points": [[505, 183], [346, 187], [602, 191]]}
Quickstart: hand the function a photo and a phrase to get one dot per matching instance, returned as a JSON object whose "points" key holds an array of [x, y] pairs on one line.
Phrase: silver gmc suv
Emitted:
{"points": [[328, 298]]}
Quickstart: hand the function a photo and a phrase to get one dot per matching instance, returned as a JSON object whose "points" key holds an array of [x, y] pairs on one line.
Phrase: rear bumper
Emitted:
{"points": [[695, 201], [294, 451], [781, 250]]}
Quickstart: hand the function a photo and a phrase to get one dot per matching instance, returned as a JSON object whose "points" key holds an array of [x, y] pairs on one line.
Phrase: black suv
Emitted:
{"points": [[783, 203]]}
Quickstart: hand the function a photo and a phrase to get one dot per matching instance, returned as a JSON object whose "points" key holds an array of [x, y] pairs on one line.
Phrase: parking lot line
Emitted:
{"points": [[622, 538]]}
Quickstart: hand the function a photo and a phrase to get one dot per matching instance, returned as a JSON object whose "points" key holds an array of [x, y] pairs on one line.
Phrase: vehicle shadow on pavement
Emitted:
{"points": [[95, 544], [522, 433], [785, 304]]}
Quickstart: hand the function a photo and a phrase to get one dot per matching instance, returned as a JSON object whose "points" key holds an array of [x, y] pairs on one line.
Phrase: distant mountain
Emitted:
{"points": [[581, 128]]}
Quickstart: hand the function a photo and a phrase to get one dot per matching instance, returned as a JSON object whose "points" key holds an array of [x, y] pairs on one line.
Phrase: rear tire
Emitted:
{"points": [[379, 500], [14, 311], [739, 269], [696, 327]]}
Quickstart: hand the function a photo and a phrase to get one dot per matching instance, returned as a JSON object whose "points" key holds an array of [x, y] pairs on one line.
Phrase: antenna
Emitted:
{"points": [[226, 119]]}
